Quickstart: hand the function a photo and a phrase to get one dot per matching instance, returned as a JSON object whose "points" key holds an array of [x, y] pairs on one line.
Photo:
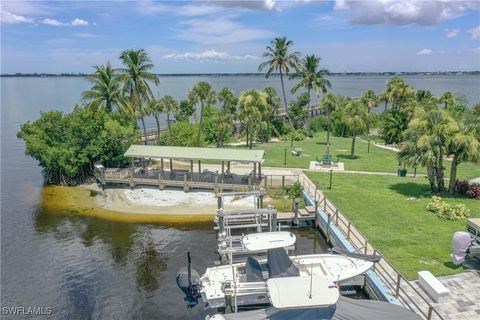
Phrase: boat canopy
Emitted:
{"points": [[254, 271], [346, 308], [302, 292], [279, 264], [268, 240]]}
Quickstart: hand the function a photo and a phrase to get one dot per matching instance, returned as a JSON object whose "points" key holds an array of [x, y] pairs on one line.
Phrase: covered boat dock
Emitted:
{"points": [[163, 172]]}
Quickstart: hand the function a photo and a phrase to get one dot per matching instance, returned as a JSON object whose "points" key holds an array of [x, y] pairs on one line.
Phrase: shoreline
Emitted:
{"points": [[141, 205]]}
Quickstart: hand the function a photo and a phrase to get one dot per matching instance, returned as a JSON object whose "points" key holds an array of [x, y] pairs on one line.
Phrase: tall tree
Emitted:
{"points": [[462, 146], [447, 99], [273, 104], [252, 107], [385, 97], [426, 142], [311, 78], [202, 93], [370, 101], [106, 91], [280, 59], [136, 76], [153, 108], [398, 91], [328, 105], [355, 118], [170, 106]]}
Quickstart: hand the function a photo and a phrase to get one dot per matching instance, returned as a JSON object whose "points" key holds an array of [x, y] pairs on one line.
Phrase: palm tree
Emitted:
{"points": [[168, 105], [202, 93], [369, 100], [228, 100], [426, 142], [273, 104], [136, 76], [154, 109], [106, 91], [127, 106], [281, 60], [463, 145], [385, 97], [252, 108], [447, 98], [398, 91], [224, 122], [355, 119], [328, 105], [311, 79]]}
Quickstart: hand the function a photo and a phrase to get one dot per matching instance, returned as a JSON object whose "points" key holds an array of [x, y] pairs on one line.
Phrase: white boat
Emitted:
{"points": [[247, 280]]}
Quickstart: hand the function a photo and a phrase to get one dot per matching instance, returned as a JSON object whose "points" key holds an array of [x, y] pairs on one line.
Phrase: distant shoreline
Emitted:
{"points": [[392, 74]]}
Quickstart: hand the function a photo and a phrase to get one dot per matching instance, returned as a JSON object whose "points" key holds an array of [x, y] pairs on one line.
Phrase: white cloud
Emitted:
{"points": [[247, 4], [74, 23], [208, 55], [220, 30], [451, 33], [11, 18], [424, 52], [79, 22], [475, 33], [398, 12]]}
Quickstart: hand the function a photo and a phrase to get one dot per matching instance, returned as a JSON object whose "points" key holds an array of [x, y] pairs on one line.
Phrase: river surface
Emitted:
{"points": [[87, 268]]}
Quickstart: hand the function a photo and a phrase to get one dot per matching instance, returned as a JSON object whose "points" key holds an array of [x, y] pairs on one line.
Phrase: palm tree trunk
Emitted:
{"points": [[440, 174], [285, 98], [385, 108], [158, 127], [169, 129], [143, 125], [200, 125], [368, 121], [453, 174], [431, 177], [309, 117], [328, 127], [352, 154]]}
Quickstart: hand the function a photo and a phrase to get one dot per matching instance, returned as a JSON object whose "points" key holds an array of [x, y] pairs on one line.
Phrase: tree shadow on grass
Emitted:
{"points": [[347, 156], [321, 143], [411, 189]]}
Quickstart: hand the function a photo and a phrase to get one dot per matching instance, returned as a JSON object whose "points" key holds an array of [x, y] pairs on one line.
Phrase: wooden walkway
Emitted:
{"points": [[395, 282]]}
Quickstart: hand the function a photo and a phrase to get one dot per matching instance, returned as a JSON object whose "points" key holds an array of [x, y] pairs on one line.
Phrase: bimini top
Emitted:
{"points": [[191, 153]]}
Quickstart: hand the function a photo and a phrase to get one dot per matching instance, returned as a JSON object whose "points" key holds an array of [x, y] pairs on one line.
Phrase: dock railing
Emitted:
{"points": [[398, 285]]}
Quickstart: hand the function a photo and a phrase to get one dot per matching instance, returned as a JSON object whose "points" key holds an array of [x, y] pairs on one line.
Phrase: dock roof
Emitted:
{"points": [[193, 153]]}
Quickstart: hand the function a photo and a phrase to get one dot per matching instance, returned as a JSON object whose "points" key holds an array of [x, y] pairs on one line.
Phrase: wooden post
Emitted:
{"points": [[228, 167], [219, 202], [259, 171], [171, 166], [366, 246], [223, 170], [185, 183], [191, 170], [397, 289], [283, 182], [261, 200], [199, 167], [221, 221], [161, 166], [254, 176], [329, 219], [132, 173]]}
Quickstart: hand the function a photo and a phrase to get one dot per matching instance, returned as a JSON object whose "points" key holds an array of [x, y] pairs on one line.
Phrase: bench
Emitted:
{"points": [[433, 287]]}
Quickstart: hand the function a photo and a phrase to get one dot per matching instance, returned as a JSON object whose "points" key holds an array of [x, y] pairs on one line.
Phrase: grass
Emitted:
{"points": [[390, 212], [378, 159]]}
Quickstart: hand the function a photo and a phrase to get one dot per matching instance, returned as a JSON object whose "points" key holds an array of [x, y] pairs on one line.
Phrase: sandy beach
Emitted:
{"points": [[168, 201]]}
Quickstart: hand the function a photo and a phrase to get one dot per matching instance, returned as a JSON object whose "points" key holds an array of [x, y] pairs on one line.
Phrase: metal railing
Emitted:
{"points": [[399, 286], [272, 180]]}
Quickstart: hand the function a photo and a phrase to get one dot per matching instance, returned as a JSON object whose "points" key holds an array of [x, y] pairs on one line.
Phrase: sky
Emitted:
{"points": [[230, 36]]}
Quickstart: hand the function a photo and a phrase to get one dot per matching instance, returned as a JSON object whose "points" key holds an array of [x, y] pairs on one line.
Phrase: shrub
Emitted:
{"points": [[296, 135], [473, 191], [318, 124], [183, 134], [461, 186], [295, 190], [446, 211]]}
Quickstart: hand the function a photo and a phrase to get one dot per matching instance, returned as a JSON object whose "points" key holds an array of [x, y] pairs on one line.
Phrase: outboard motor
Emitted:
{"points": [[188, 280], [461, 243]]}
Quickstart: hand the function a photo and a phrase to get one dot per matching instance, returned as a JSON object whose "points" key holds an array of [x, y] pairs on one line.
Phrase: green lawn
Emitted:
{"points": [[378, 159], [390, 212]]}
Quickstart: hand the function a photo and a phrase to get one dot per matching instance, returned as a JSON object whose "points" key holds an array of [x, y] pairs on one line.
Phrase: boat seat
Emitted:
{"points": [[279, 264]]}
